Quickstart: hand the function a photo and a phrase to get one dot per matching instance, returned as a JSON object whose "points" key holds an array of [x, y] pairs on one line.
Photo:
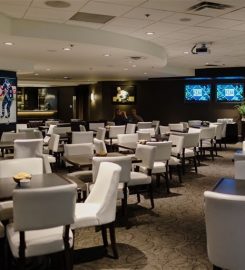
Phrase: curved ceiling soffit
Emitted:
{"points": [[68, 33]]}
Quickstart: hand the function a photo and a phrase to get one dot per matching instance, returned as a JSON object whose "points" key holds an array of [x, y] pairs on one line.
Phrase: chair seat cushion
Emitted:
{"points": [[139, 178], [38, 242], [6, 210], [1, 230], [51, 159], [86, 215], [173, 161], [159, 167], [188, 153]]}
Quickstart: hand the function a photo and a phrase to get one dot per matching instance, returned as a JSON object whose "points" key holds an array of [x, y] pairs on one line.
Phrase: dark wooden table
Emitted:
{"points": [[230, 186], [7, 185]]}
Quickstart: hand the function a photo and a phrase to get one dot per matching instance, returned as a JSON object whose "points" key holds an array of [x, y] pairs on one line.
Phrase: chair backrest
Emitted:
{"points": [[225, 222], [104, 192], [28, 148], [240, 169], [141, 125], [155, 124], [146, 153], [177, 140], [176, 127], [100, 147], [100, 135], [79, 149], [123, 161], [51, 129], [129, 140], [144, 136], [11, 136], [20, 126], [147, 130], [163, 150], [42, 208], [82, 136], [53, 142], [218, 130], [164, 129], [82, 128], [193, 123], [115, 130], [190, 140], [130, 128], [31, 130], [95, 126], [207, 133], [51, 122], [61, 130], [10, 167], [194, 130], [110, 123]]}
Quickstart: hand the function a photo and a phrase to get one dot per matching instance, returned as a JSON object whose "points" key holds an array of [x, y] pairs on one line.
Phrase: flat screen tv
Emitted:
{"points": [[197, 92], [8, 88], [229, 92]]}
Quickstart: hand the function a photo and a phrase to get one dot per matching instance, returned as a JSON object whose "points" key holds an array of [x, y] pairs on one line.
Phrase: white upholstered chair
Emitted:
{"points": [[113, 132], [99, 209], [128, 140], [141, 125], [139, 179], [82, 137], [164, 131], [94, 126], [10, 167], [225, 222], [82, 128], [207, 141], [176, 127], [240, 169], [162, 157], [130, 128], [100, 147], [100, 135], [40, 225], [28, 148], [52, 150]]}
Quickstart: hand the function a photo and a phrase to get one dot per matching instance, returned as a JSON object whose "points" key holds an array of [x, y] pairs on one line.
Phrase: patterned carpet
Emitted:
{"points": [[169, 237]]}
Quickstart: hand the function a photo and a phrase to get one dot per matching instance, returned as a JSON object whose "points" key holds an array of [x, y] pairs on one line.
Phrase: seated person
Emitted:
{"points": [[134, 117], [120, 118]]}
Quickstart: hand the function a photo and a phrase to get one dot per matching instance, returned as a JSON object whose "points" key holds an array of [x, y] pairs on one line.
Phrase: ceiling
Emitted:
{"points": [[40, 33]]}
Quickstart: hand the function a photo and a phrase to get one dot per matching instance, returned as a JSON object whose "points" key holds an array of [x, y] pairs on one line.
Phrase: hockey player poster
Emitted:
{"points": [[7, 100]]}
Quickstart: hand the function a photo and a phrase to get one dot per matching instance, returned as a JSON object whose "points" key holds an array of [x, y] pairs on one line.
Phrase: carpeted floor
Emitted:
{"points": [[169, 237]]}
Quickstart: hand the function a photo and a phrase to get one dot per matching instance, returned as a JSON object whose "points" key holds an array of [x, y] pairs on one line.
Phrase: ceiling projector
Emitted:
{"points": [[200, 48]]}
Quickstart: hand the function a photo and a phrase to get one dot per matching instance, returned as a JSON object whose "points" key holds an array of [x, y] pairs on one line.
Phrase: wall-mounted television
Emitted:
{"points": [[8, 88], [197, 92], [229, 92]]}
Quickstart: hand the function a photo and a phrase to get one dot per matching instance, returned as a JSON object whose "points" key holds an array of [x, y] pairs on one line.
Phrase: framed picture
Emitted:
{"points": [[124, 94]]}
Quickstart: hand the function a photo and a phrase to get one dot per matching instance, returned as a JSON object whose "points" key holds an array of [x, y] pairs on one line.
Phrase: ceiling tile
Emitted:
{"points": [[117, 29], [131, 3], [182, 36], [182, 18], [48, 14], [240, 27], [74, 5], [85, 24], [235, 15], [126, 22], [220, 23], [140, 13], [16, 2], [105, 8], [15, 11], [170, 5]]}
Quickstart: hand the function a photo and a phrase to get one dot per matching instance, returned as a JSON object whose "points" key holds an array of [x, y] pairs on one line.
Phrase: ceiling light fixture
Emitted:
{"points": [[36, 74], [186, 52], [145, 73], [48, 69], [125, 69], [66, 49], [57, 4], [134, 66], [107, 55], [8, 43], [150, 33]]}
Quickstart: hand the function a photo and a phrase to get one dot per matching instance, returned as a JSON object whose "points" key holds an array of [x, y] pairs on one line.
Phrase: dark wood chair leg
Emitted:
{"points": [[138, 197], [151, 196], [158, 180], [104, 235], [170, 172], [167, 182], [113, 239], [179, 173], [195, 164]]}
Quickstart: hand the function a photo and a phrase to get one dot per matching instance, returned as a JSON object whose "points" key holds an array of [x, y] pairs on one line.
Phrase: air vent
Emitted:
{"points": [[212, 65], [209, 5], [90, 17], [136, 57]]}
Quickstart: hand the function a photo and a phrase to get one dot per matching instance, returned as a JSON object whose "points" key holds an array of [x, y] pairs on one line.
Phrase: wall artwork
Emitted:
{"points": [[124, 94]]}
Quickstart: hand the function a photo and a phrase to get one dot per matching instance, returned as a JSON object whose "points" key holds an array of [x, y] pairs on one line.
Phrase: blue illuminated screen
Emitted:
{"points": [[230, 92], [197, 92]]}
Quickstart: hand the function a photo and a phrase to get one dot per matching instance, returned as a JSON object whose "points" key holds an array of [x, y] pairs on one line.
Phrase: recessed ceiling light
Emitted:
{"points": [[186, 52], [125, 69], [150, 33], [67, 78], [36, 74], [107, 54], [57, 4], [66, 49], [134, 66], [8, 43], [145, 73], [48, 69]]}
